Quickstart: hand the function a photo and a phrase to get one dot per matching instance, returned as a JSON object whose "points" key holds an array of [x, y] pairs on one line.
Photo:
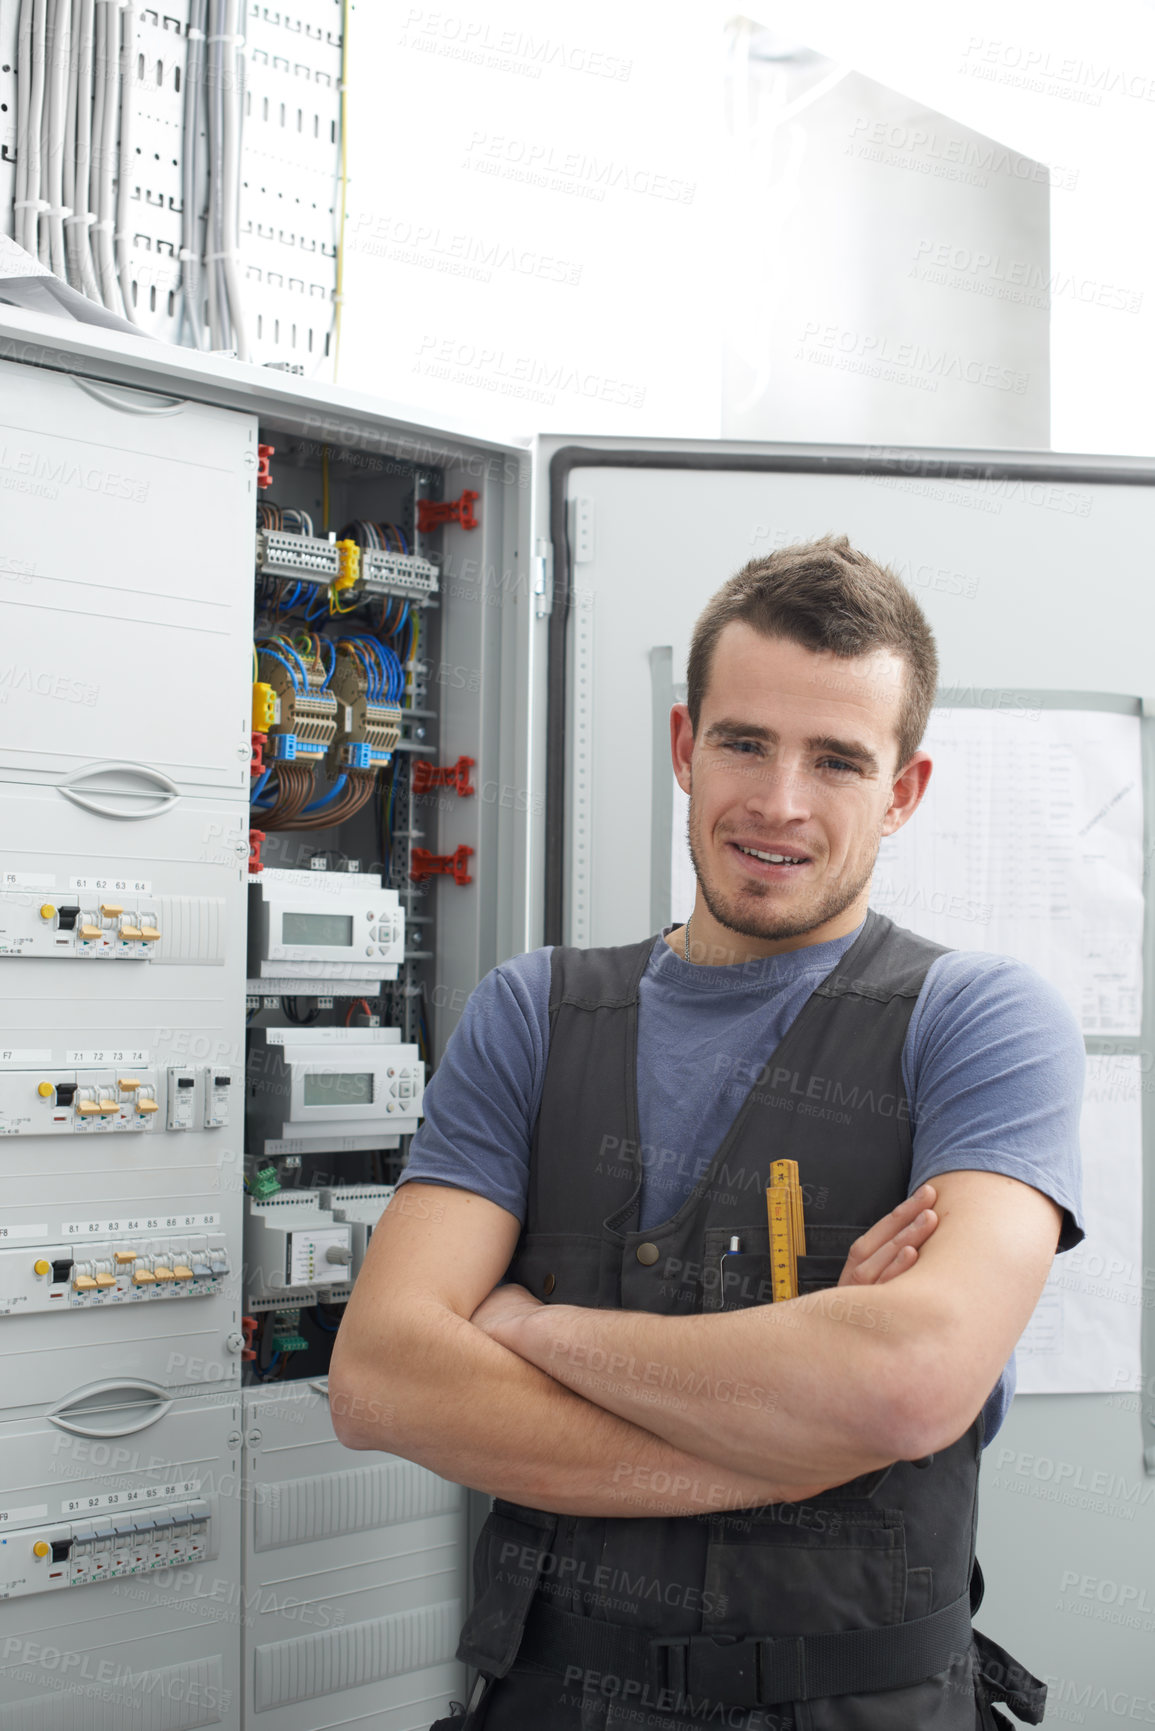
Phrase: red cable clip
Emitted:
{"points": [[425, 776], [431, 513], [424, 864], [249, 1326], [264, 473], [256, 753], [256, 837]]}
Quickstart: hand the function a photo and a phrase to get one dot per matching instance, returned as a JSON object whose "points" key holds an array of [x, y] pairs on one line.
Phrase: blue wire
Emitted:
{"points": [[320, 804], [329, 1327], [277, 656], [332, 664], [259, 789], [289, 650]]}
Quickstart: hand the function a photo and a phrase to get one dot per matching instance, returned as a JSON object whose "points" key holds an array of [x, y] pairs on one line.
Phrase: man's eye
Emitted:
{"points": [[838, 763], [742, 746]]}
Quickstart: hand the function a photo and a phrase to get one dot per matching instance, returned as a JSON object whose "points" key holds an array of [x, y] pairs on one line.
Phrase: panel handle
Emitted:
{"points": [[127, 400], [167, 790], [111, 1409]]}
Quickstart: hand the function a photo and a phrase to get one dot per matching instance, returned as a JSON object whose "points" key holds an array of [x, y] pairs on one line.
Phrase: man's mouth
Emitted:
{"points": [[771, 858]]}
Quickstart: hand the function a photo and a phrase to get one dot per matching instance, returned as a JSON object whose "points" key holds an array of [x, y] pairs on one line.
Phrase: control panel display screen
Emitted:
{"points": [[298, 928], [338, 1088]]}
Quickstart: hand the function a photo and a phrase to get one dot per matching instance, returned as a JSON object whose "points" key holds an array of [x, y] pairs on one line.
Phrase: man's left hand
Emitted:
{"points": [[499, 1314]]}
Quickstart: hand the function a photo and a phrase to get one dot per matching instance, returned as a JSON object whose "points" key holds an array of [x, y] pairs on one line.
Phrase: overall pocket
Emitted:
{"points": [[507, 1565], [735, 1280]]}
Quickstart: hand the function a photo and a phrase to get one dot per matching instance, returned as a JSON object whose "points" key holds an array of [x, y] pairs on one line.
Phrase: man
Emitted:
{"points": [[713, 1509]]}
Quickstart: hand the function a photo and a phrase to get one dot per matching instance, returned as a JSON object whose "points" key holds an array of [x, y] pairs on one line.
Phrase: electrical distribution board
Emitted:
{"points": [[286, 861]]}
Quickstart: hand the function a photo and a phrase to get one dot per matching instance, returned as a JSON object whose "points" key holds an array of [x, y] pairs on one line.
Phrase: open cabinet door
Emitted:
{"points": [[1032, 569], [1024, 563]]}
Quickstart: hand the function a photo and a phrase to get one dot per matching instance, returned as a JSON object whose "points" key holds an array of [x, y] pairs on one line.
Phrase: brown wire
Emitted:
{"points": [[356, 793], [294, 786]]}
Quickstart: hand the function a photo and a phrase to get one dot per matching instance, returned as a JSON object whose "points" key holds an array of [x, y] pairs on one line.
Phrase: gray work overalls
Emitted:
{"points": [[848, 1611]]}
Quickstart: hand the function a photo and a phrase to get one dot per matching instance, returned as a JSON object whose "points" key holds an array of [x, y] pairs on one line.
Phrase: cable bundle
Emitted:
{"points": [[213, 106], [73, 138], [384, 674], [285, 517], [352, 790], [384, 537]]}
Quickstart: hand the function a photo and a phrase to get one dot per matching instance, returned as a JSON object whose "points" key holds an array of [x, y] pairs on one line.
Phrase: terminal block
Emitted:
{"points": [[307, 724], [281, 554], [264, 706], [405, 574], [287, 1336], [348, 566], [367, 733]]}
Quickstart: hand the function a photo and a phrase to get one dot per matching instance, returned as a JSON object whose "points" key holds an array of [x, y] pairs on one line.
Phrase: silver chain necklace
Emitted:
{"points": [[686, 946]]}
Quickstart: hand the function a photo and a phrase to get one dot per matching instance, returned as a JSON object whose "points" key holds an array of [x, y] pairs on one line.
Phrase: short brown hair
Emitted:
{"points": [[825, 595]]}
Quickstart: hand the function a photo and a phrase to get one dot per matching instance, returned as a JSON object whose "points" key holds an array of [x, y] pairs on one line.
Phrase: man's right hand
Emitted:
{"points": [[891, 1248]]}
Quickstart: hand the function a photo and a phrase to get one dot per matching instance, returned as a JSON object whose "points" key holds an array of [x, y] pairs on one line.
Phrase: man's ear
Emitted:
{"points": [[681, 744], [906, 795]]}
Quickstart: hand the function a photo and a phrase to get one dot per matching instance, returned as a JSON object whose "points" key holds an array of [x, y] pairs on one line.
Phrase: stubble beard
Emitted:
{"points": [[746, 922]]}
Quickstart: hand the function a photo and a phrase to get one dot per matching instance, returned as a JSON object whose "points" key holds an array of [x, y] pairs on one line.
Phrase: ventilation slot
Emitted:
{"points": [[173, 1698], [350, 1502], [299, 1670], [192, 929]]}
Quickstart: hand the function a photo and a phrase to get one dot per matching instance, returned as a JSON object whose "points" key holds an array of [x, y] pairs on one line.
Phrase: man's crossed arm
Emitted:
{"points": [[499, 1392], [827, 1381]]}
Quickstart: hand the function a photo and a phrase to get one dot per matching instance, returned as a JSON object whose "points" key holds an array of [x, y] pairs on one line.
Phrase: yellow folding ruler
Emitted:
{"points": [[787, 1231]]}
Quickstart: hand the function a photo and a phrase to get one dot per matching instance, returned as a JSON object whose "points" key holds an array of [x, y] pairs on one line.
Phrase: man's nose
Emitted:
{"points": [[779, 791]]}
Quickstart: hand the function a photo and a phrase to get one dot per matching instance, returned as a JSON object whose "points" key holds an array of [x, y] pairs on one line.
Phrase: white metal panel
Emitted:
{"points": [[110, 1019], [126, 572], [155, 1650], [354, 1575]]}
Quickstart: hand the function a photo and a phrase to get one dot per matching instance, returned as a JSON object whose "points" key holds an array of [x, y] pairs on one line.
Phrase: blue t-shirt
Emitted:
{"points": [[992, 1066]]}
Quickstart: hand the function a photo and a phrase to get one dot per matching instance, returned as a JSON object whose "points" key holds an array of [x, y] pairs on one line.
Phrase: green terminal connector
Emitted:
{"points": [[265, 1184], [287, 1336]]}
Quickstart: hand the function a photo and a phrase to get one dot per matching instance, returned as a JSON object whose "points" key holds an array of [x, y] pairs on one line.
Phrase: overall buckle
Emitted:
{"points": [[755, 1671]]}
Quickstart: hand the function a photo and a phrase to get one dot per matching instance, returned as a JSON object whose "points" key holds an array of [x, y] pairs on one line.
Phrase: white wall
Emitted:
{"points": [[622, 331], [529, 213]]}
